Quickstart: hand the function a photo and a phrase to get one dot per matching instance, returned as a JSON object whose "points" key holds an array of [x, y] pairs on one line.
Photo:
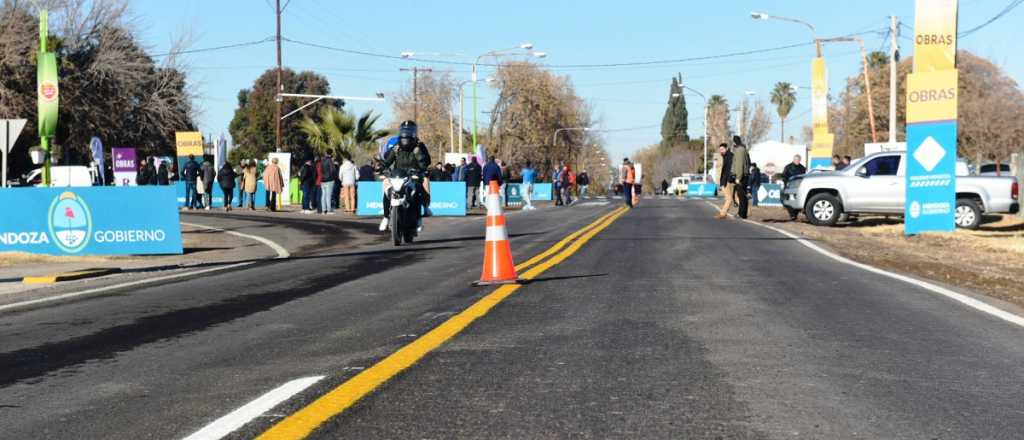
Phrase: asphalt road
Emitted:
{"points": [[667, 324]]}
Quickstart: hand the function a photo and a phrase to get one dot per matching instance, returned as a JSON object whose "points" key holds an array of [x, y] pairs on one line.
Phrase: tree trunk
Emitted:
{"points": [[782, 130]]}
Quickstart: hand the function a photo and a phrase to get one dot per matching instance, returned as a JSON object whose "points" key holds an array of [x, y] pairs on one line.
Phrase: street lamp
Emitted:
{"points": [[814, 32], [496, 54], [676, 95]]}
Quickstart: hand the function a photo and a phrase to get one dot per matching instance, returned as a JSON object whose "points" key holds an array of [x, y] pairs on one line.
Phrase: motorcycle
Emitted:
{"points": [[402, 188]]}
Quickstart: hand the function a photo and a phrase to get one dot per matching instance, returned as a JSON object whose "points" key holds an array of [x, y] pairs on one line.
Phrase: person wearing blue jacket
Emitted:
{"points": [[492, 172]]}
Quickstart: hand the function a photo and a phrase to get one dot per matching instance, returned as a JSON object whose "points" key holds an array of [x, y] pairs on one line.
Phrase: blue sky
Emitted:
{"points": [[571, 32]]}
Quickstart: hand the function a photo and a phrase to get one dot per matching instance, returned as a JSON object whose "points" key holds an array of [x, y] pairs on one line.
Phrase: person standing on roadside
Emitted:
{"points": [[209, 175], [250, 182], [226, 179], [627, 176], [142, 177], [583, 181], [755, 183], [846, 161], [366, 172], [162, 177], [349, 176], [506, 175], [739, 177], [792, 170], [318, 193], [529, 176], [328, 173], [837, 162], [307, 181], [191, 173], [274, 183], [491, 172], [725, 180], [460, 171], [473, 174], [568, 178], [556, 183]]}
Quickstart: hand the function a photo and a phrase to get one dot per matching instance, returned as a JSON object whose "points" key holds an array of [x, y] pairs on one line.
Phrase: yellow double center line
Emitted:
{"points": [[302, 423]]}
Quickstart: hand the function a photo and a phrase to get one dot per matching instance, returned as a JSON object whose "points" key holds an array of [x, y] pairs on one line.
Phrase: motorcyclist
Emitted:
{"points": [[411, 155]]}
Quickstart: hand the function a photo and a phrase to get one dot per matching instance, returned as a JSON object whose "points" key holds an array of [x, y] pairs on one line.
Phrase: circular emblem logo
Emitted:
{"points": [[915, 210], [48, 91], [70, 223]]}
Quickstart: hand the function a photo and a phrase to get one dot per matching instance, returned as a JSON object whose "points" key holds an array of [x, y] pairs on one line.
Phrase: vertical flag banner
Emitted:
{"points": [[125, 166], [932, 120], [48, 92], [96, 145], [186, 143], [822, 140], [935, 35]]}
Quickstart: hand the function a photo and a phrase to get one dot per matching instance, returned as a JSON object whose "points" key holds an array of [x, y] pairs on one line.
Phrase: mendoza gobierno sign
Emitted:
{"points": [[90, 221]]}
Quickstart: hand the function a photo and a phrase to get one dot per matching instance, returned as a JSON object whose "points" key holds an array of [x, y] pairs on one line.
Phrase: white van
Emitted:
{"points": [[62, 176], [680, 184]]}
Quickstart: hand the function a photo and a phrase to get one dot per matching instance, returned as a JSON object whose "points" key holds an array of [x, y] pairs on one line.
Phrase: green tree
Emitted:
{"points": [[784, 99], [253, 125], [339, 131], [674, 123]]}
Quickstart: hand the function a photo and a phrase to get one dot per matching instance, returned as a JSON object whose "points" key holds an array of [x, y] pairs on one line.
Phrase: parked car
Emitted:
{"points": [[61, 176], [989, 170], [679, 184], [876, 185]]}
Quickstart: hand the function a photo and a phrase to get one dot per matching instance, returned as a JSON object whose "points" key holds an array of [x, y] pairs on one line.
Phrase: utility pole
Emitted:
{"points": [[280, 87], [415, 95], [894, 32]]}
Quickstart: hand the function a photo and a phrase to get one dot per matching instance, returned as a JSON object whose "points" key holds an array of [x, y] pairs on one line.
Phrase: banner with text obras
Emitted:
{"points": [[821, 145], [932, 120], [125, 166], [91, 221], [186, 143]]}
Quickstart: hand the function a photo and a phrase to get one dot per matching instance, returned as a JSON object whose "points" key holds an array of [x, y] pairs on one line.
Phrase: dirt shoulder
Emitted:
{"points": [[989, 260]]}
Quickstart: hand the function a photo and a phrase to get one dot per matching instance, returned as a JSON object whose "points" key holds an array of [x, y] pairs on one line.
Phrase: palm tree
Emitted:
{"points": [[336, 129], [784, 98]]}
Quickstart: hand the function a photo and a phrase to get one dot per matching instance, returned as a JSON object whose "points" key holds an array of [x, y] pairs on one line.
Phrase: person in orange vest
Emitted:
{"points": [[627, 175]]}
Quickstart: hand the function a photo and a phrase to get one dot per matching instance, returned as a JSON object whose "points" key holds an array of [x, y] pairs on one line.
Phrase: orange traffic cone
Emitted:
{"points": [[498, 265]]}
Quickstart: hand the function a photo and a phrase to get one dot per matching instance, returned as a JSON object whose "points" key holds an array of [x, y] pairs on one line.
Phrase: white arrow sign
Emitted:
{"points": [[10, 129]]}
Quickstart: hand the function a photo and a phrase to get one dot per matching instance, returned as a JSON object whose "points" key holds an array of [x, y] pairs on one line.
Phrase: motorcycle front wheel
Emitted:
{"points": [[396, 226]]}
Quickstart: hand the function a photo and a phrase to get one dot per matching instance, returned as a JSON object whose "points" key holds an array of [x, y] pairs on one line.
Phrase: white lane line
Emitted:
{"points": [[239, 417], [281, 251], [958, 297], [118, 286]]}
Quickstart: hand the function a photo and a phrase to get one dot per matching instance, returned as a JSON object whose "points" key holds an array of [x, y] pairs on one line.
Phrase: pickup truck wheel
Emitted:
{"points": [[968, 215], [823, 210]]}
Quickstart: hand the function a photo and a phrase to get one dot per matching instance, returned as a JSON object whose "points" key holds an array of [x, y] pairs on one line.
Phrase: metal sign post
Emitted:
{"points": [[10, 129]]}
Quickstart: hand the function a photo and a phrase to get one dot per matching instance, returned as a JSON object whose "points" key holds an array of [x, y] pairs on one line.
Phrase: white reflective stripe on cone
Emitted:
{"points": [[493, 203], [496, 233]]}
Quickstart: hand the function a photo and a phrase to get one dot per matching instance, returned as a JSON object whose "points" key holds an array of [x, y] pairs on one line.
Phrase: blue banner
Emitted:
{"points": [[769, 194], [218, 195], [90, 221], [542, 192], [701, 190], [447, 199], [931, 177], [370, 198], [820, 163]]}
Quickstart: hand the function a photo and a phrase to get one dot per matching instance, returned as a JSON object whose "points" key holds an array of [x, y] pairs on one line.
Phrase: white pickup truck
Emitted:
{"points": [[876, 185]]}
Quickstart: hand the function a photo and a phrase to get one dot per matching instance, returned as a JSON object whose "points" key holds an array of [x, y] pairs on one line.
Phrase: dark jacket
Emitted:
{"points": [[491, 172], [726, 176], [472, 174], [366, 173], [792, 170], [755, 177], [307, 175], [191, 171], [436, 175], [226, 178], [583, 179], [416, 160], [328, 172], [161, 175], [145, 176]]}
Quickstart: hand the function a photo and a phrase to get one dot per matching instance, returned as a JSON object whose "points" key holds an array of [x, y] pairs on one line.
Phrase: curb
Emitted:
{"points": [[69, 276]]}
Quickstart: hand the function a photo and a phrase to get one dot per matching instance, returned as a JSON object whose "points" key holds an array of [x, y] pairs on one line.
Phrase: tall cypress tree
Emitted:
{"points": [[674, 124]]}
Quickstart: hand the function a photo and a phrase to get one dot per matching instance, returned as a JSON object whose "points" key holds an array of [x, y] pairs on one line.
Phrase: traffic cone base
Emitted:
{"points": [[498, 265]]}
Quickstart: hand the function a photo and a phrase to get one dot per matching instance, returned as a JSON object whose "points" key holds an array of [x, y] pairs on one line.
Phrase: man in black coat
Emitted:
{"points": [[473, 175], [792, 170]]}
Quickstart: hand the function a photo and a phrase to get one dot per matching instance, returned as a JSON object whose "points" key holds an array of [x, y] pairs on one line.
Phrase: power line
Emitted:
{"points": [[212, 49], [1013, 4]]}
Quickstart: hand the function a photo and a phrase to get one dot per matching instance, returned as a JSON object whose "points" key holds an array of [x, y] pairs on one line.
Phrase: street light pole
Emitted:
{"points": [[280, 87], [462, 111], [814, 32], [705, 126], [495, 53]]}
